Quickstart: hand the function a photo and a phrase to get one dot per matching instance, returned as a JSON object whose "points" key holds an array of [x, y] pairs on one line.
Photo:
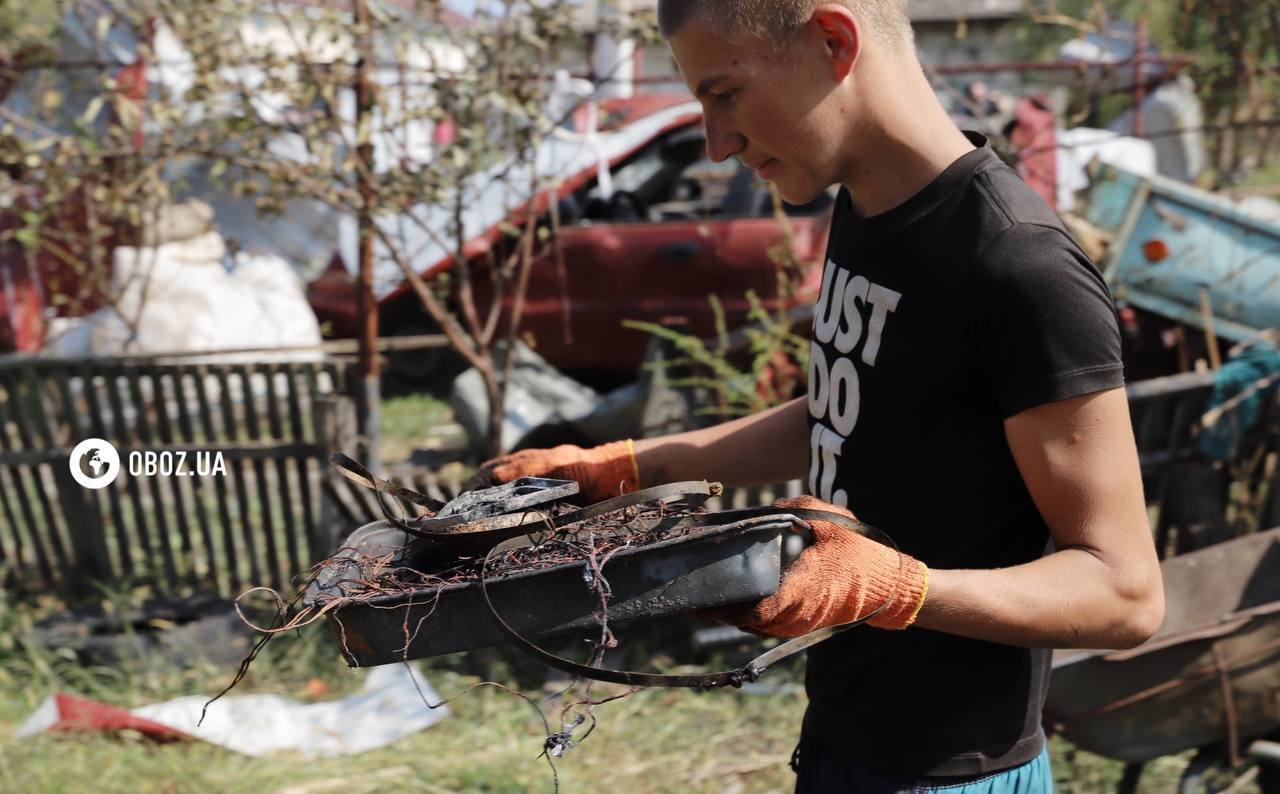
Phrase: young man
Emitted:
{"points": [[965, 396]]}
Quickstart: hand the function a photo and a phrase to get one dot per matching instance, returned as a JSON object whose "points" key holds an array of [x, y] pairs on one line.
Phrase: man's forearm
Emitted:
{"points": [[768, 447], [1102, 588], [1069, 599]]}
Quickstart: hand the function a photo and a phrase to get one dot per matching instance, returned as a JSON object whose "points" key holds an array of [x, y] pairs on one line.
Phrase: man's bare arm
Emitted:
{"points": [[1101, 588], [764, 448]]}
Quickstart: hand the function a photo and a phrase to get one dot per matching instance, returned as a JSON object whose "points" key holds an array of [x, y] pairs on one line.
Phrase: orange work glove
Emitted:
{"points": [[602, 472], [841, 577]]}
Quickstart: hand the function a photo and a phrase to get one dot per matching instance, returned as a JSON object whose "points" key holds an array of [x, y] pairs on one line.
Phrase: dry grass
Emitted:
{"points": [[656, 741]]}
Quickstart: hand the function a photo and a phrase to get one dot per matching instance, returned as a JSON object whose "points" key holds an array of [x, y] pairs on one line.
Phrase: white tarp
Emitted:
{"points": [[387, 708], [1078, 146], [180, 297]]}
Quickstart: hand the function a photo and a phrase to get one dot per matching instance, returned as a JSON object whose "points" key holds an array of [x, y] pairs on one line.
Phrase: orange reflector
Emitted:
{"points": [[1155, 251]]}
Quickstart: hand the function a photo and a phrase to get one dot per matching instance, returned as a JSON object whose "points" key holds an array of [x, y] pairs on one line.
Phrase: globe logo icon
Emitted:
{"points": [[94, 463], [91, 463]]}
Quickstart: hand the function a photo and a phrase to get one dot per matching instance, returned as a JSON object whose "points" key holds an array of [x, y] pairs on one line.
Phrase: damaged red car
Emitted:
{"points": [[665, 231]]}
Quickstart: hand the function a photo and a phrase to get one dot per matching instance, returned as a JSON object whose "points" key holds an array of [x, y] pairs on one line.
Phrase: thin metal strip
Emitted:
{"points": [[358, 474]]}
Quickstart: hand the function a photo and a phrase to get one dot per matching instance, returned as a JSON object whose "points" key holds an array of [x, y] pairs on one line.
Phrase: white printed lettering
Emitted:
{"points": [[844, 382], [835, 395], [815, 458], [825, 449], [883, 301], [854, 295], [830, 445], [829, 307], [818, 382]]}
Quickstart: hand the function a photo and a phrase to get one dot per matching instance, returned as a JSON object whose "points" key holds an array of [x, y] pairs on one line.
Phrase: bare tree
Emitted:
{"points": [[433, 135]]}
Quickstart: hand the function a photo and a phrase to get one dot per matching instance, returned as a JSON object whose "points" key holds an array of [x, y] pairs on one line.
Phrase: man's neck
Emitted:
{"points": [[903, 142]]}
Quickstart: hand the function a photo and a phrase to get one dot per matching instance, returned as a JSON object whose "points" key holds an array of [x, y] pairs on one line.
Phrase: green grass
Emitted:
{"points": [[655, 741], [409, 423]]}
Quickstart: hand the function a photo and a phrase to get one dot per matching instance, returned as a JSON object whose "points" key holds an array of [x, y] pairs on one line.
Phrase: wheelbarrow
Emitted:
{"points": [[1209, 680]]}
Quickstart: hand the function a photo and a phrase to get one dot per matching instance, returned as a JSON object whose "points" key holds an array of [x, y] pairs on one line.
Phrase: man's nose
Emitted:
{"points": [[723, 142]]}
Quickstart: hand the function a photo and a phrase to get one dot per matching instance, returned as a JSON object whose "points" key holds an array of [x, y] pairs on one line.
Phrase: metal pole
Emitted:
{"points": [[368, 308]]}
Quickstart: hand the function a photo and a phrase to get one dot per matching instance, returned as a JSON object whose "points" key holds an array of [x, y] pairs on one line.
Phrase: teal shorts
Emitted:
{"points": [[818, 771]]}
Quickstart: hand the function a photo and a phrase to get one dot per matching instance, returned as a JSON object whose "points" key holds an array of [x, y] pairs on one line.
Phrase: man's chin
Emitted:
{"points": [[797, 195]]}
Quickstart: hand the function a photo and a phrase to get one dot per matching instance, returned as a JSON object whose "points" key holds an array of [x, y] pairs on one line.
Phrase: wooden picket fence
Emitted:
{"points": [[279, 507], [261, 522]]}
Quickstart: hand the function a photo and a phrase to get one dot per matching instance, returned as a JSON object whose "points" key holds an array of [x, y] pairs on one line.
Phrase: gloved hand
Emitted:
{"points": [[602, 472], [841, 577]]}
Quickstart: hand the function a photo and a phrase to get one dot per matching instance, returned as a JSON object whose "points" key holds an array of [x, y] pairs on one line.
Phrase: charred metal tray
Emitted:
{"points": [[708, 566]]}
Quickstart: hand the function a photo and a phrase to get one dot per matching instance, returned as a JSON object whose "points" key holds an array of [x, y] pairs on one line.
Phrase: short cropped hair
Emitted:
{"points": [[780, 20]]}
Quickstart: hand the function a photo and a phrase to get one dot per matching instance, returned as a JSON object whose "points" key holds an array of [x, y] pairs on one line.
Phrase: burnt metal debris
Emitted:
{"points": [[510, 562], [516, 562], [519, 549]]}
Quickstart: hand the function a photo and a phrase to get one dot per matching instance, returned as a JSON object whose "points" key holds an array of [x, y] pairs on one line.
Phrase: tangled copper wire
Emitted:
{"points": [[594, 541], [367, 579]]}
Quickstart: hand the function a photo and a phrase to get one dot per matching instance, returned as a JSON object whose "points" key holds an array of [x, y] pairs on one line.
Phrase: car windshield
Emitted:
{"points": [[672, 179]]}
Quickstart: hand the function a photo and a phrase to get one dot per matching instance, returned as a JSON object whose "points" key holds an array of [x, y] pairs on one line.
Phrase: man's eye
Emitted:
{"points": [[726, 96]]}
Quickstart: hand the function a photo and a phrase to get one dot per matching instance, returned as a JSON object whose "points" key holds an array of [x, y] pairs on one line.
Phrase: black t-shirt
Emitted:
{"points": [[937, 320]]}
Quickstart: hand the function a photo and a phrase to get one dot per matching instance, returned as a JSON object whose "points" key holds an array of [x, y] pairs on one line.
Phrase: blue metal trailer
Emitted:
{"points": [[1185, 254]]}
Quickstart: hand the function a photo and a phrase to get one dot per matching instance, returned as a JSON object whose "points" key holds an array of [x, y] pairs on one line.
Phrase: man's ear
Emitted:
{"points": [[841, 35]]}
